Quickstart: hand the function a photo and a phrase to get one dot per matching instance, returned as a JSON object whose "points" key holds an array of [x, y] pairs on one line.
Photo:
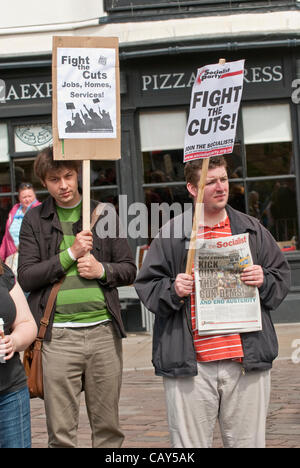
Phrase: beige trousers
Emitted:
{"points": [[93, 356], [219, 391]]}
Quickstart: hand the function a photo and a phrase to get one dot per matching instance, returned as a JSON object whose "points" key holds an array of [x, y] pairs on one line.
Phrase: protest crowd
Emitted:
{"points": [[82, 345], [214, 341]]}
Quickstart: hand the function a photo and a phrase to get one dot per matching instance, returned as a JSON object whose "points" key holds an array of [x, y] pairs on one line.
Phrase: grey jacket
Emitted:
{"points": [[173, 348]]}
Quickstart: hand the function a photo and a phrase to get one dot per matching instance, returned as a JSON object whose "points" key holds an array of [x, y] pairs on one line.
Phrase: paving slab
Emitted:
{"points": [[142, 404]]}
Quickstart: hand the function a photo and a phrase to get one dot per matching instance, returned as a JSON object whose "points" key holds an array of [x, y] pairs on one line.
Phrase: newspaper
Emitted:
{"points": [[224, 304]]}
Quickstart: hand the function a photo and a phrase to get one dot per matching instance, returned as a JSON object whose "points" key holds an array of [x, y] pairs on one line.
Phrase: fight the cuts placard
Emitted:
{"points": [[86, 92], [86, 119], [214, 106]]}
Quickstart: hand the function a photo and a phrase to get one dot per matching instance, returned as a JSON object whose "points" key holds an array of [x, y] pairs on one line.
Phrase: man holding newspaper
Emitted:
{"points": [[214, 368]]}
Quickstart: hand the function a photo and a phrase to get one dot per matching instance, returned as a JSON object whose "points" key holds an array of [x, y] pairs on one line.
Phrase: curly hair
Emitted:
{"points": [[44, 163]]}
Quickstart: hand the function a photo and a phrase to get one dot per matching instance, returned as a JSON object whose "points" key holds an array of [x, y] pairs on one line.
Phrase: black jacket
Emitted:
{"points": [[39, 265], [173, 348]]}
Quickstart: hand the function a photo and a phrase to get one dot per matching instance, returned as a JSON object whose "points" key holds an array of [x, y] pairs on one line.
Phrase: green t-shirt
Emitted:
{"points": [[79, 300]]}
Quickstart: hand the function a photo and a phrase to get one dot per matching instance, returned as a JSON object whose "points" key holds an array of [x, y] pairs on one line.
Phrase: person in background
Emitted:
{"points": [[254, 204], [10, 242], [18, 333]]}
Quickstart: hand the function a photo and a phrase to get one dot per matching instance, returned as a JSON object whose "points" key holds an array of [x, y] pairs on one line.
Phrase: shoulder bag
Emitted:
{"points": [[32, 358]]}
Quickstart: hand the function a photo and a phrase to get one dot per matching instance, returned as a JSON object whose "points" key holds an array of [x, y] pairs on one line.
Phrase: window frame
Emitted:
{"points": [[11, 134], [247, 180]]}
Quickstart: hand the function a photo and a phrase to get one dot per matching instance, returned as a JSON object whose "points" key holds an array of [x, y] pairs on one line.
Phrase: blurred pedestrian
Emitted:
{"points": [[19, 331], [10, 242]]}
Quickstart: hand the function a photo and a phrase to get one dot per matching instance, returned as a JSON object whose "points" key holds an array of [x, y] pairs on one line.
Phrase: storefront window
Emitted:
{"points": [[106, 196], [261, 168], [162, 130], [274, 203], [32, 137], [235, 163], [270, 172], [163, 166], [103, 179], [104, 182], [268, 140], [269, 159], [162, 140], [103, 173], [237, 196], [5, 201], [4, 156]]}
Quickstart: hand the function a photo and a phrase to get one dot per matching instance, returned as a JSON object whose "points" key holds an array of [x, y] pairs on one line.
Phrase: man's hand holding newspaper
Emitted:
{"points": [[226, 283]]}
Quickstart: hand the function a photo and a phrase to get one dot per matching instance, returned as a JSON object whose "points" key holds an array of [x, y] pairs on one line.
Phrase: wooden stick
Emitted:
{"points": [[196, 220], [86, 196]]}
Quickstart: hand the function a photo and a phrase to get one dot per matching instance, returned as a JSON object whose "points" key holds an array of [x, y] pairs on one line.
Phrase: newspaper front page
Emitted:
{"points": [[224, 304]]}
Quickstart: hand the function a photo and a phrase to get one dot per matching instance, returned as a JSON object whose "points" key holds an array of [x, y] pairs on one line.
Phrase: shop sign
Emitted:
{"points": [[21, 91], [2, 91], [179, 80], [262, 80]]}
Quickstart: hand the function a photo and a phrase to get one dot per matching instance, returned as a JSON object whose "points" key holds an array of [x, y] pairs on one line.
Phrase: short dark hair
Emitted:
{"points": [[192, 168], [45, 163], [25, 186]]}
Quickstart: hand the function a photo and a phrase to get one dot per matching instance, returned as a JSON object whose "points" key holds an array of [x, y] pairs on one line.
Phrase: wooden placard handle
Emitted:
{"points": [[86, 197], [197, 213]]}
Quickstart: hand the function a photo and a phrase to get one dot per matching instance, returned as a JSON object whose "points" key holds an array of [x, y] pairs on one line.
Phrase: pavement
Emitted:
{"points": [[142, 404]]}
